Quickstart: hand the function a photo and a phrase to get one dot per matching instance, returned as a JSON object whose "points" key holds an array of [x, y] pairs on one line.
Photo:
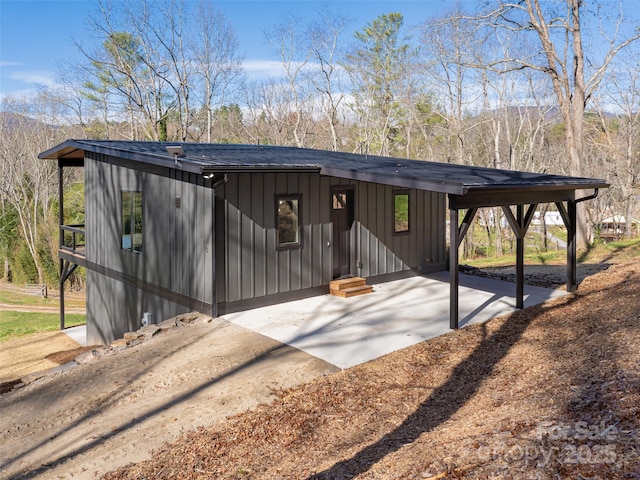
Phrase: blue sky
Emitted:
{"points": [[36, 35]]}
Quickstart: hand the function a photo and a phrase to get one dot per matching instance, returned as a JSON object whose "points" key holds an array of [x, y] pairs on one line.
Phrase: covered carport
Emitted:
{"points": [[469, 188], [399, 313], [524, 192]]}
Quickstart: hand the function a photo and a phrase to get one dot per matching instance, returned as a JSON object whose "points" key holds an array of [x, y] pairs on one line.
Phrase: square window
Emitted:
{"points": [[339, 201], [400, 212], [288, 221], [132, 221]]}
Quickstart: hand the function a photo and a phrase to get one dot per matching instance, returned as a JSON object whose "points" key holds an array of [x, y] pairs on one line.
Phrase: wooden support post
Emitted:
{"points": [[456, 234], [454, 277], [520, 257], [60, 204], [569, 218], [61, 239], [62, 280], [466, 223], [520, 224], [66, 270], [571, 247]]}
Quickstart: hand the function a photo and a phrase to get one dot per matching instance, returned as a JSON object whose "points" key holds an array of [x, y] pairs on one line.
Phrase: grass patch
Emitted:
{"points": [[558, 232], [531, 258], [552, 257], [599, 253], [603, 251], [622, 248], [21, 324], [13, 296], [17, 298]]}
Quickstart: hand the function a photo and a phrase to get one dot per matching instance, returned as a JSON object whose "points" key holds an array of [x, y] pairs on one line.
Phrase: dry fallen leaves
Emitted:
{"points": [[548, 392]]}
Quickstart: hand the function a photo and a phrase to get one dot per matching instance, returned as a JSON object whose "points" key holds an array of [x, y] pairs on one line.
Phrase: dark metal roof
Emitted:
{"points": [[221, 158]]}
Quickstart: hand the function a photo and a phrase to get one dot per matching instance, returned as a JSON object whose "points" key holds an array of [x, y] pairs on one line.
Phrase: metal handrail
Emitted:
{"points": [[76, 230]]}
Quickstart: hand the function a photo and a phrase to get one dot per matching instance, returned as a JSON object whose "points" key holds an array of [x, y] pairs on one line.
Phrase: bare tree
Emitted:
{"points": [[447, 43], [27, 184], [617, 137], [217, 62], [270, 119], [558, 31], [324, 35], [122, 83], [143, 66], [294, 50], [169, 32], [427, 127]]}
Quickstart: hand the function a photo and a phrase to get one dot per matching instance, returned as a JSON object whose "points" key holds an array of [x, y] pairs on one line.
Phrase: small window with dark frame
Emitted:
{"points": [[400, 212], [288, 221], [339, 201], [132, 221]]}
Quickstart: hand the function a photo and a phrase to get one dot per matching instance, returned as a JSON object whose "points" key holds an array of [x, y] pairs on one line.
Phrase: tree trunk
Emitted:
{"points": [[6, 271], [497, 215], [569, 87]]}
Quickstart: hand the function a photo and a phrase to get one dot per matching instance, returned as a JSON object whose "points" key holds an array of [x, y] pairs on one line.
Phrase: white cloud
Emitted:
{"points": [[26, 93], [4, 63], [262, 69], [34, 77], [26, 83]]}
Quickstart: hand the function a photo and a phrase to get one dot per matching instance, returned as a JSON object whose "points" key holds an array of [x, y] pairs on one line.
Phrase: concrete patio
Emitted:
{"points": [[79, 334], [350, 331]]}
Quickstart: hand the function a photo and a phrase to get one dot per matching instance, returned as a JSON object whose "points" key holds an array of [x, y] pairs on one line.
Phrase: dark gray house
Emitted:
{"points": [[176, 227]]}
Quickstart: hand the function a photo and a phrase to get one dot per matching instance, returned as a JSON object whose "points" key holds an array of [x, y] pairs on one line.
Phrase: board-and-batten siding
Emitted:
{"points": [[173, 274], [250, 266], [192, 230], [248, 261], [383, 252]]}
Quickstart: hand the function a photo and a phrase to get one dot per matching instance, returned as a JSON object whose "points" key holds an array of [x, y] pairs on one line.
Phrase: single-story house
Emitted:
{"points": [[551, 219], [177, 227], [615, 226]]}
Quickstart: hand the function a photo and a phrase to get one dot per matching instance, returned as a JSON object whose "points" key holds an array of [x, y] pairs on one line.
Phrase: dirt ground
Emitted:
{"points": [[545, 393], [36, 353], [116, 409], [20, 357], [234, 404]]}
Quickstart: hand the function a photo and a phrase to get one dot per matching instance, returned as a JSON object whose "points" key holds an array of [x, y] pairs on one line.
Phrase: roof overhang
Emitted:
{"points": [[78, 149], [497, 197], [466, 186], [396, 180]]}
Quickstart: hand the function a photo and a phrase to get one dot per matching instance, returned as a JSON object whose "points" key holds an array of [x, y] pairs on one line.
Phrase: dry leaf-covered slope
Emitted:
{"points": [[548, 392]]}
